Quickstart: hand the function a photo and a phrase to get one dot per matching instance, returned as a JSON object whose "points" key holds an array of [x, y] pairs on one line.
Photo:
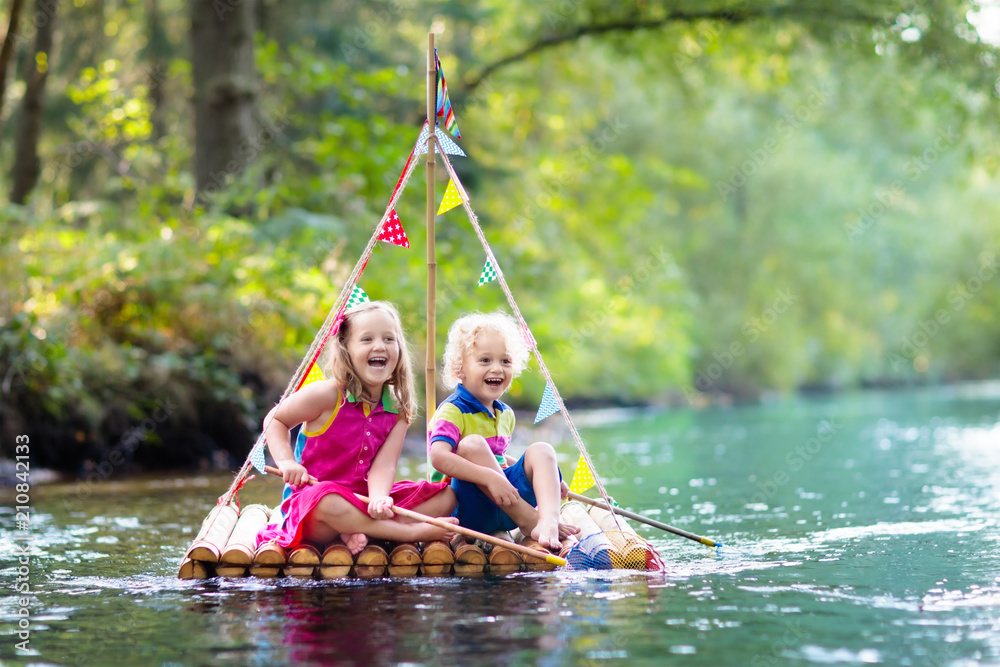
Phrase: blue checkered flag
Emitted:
{"points": [[549, 405]]}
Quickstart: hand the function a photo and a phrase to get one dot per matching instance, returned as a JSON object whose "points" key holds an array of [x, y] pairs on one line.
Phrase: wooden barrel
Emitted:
{"points": [[194, 569], [270, 554], [502, 560], [215, 531], [230, 571], [371, 562], [265, 571], [302, 561], [336, 561], [404, 560], [242, 543], [436, 559], [469, 559], [532, 562], [636, 554], [596, 549]]}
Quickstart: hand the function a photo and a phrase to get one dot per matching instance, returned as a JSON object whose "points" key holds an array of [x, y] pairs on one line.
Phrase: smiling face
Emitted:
{"points": [[487, 369], [374, 350]]}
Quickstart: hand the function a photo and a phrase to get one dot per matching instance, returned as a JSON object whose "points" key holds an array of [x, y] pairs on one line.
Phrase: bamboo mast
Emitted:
{"points": [[431, 361]]}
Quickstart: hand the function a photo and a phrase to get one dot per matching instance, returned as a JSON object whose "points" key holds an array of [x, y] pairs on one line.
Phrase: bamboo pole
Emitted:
{"points": [[646, 520], [431, 360]]}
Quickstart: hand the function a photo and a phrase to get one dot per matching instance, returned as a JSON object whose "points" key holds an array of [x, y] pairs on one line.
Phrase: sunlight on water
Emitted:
{"points": [[856, 530]]}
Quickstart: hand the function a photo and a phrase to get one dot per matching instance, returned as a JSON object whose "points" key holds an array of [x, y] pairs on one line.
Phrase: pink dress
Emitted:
{"points": [[340, 455]]}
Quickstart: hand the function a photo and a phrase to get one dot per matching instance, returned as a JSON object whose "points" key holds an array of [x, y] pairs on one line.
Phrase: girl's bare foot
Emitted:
{"points": [[425, 532], [546, 533], [355, 542]]}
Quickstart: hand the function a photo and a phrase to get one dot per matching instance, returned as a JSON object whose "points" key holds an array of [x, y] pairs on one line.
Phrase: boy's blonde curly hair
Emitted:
{"points": [[462, 336]]}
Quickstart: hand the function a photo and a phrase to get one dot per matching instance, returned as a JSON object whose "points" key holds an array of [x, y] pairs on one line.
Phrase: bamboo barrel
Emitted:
{"points": [[215, 531], [371, 562], [242, 544], [436, 559], [502, 560], [636, 554], [599, 549], [404, 560], [336, 561]]}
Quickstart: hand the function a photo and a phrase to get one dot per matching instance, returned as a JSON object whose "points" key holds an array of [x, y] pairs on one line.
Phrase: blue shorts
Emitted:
{"points": [[475, 509]]}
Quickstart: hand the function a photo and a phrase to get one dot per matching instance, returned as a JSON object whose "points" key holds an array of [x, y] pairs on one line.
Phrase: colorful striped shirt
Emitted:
{"points": [[463, 414]]}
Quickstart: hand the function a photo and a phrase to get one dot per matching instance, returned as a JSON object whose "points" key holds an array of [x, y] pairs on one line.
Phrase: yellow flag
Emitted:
{"points": [[583, 479], [314, 375], [451, 198]]}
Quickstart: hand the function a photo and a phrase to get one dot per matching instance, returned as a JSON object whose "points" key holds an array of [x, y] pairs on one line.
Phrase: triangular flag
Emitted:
{"points": [[549, 406], [488, 275], [583, 478], [257, 457], [392, 231], [314, 375], [446, 143], [451, 198], [444, 109], [357, 297]]}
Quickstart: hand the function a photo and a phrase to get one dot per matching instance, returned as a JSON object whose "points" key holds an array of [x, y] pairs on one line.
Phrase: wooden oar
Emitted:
{"points": [[454, 528], [650, 522]]}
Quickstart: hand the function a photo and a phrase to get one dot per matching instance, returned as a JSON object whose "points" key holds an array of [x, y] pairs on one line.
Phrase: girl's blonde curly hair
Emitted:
{"points": [[462, 336]]}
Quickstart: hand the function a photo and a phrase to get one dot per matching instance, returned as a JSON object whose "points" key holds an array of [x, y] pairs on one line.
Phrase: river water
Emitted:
{"points": [[857, 529]]}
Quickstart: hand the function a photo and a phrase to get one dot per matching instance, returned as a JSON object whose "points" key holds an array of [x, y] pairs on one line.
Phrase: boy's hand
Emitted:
{"points": [[501, 491], [293, 473], [380, 508], [563, 490]]}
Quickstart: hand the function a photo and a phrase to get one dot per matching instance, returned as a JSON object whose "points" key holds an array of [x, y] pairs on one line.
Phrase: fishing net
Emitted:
{"points": [[613, 550]]}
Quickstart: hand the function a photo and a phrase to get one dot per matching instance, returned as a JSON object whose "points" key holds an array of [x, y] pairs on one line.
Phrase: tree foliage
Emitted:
{"points": [[686, 199]]}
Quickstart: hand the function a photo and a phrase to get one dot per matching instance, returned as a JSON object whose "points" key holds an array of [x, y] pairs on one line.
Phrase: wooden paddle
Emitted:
{"points": [[410, 514], [649, 522]]}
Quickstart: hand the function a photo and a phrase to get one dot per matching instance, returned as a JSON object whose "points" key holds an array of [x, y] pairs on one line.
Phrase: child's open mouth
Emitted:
{"points": [[378, 363], [496, 383]]}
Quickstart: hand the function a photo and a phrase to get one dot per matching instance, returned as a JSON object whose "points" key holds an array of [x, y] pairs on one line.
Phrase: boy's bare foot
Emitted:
{"points": [[546, 532], [355, 542], [566, 530], [425, 532], [567, 545]]}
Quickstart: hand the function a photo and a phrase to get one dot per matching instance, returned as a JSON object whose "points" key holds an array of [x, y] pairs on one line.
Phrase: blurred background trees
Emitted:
{"points": [[689, 199]]}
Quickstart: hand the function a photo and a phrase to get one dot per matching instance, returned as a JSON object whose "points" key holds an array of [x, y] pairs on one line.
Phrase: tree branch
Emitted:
{"points": [[728, 16]]}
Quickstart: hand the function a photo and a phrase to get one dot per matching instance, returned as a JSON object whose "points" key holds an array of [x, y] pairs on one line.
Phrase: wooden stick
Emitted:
{"points": [[431, 357], [649, 522], [451, 527]]}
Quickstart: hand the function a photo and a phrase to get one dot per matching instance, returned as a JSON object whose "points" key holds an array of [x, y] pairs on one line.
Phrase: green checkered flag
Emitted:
{"points": [[357, 297], [488, 275]]}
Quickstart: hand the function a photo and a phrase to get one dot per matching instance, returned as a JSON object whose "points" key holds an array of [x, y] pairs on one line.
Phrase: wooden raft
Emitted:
{"points": [[225, 546]]}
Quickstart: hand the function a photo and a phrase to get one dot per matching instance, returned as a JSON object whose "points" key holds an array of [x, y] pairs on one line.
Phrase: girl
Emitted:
{"points": [[355, 425]]}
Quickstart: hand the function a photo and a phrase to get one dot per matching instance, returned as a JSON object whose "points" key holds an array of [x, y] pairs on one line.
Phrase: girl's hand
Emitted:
{"points": [[380, 508], [501, 491], [293, 473]]}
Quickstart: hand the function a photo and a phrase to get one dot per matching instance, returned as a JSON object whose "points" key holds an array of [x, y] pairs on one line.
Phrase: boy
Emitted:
{"points": [[471, 430]]}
